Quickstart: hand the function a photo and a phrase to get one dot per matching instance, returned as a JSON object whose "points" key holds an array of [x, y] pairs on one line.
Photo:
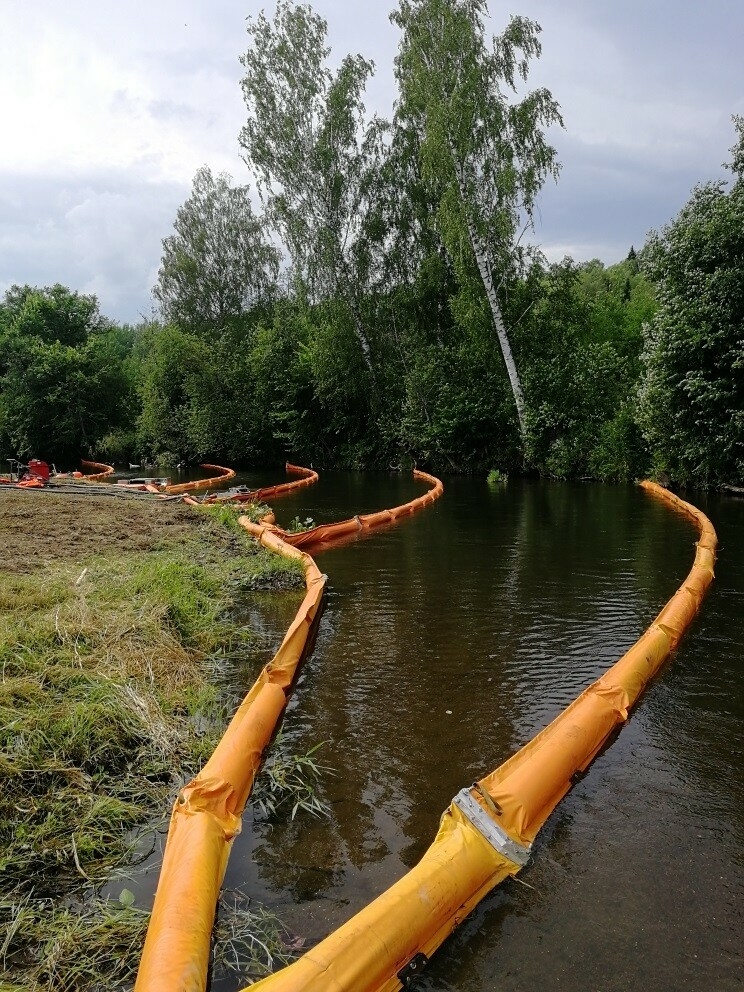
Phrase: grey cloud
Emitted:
{"points": [[186, 61], [169, 110], [647, 90], [99, 234], [605, 201]]}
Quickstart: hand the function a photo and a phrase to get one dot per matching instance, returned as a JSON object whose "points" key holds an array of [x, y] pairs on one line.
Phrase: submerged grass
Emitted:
{"points": [[288, 782], [109, 700], [72, 948], [250, 941], [86, 946]]}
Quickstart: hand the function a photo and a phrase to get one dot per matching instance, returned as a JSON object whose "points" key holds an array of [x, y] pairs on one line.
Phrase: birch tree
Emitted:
{"points": [[483, 153], [218, 264], [315, 155]]}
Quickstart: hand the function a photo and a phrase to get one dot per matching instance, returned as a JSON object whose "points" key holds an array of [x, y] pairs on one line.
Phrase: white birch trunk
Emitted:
{"points": [[344, 288], [484, 270], [498, 322], [361, 337]]}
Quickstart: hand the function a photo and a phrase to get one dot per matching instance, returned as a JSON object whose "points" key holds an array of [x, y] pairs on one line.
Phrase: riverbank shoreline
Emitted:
{"points": [[117, 621]]}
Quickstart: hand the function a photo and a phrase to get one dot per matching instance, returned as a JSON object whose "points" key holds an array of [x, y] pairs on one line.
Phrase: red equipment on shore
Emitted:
{"points": [[37, 469], [35, 474]]}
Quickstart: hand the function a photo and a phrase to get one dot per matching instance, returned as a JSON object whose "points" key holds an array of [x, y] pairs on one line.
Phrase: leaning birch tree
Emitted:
{"points": [[314, 154], [483, 153]]}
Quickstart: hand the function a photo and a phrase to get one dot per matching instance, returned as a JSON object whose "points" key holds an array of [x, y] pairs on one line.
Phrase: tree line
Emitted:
{"points": [[381, 302]]}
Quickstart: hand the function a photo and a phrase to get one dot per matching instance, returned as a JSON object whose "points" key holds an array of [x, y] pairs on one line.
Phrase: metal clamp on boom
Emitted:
{"points": [[489, 829], [410, 972]]}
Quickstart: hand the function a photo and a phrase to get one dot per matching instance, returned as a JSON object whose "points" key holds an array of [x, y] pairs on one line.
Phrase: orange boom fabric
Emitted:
{"points": [[309, 478], [206, 815], [327, 534], [225, 474], [97, 476], [486, 833]]}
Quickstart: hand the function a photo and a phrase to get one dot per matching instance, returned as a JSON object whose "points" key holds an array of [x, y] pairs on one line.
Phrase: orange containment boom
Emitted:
{"points": [[327, 534], [487, 832], [97, 476], [225, 474], [309, 477], [207, 813]]}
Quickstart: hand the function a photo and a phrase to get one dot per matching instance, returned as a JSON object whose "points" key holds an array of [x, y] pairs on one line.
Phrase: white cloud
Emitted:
{"points": [[94, 236], [107, 111], [78, 98]]}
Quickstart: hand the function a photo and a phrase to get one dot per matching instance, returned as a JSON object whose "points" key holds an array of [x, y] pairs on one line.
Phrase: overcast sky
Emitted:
{"points": [[108, 109]]}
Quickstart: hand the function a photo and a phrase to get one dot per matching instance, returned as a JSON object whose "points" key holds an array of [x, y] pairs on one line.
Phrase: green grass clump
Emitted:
{"points": [[249, 940], [496, 477], [78, 949], [288, 782], [110, 699], [69, 949], [228, 513], [262, 574]]}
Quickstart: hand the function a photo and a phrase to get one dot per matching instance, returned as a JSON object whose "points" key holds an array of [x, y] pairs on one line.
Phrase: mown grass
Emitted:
{"points": [[109, 700]]}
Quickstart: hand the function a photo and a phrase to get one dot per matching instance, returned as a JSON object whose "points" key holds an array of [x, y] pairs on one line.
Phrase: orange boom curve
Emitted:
{"points": [[309, 477], [188, 487], [484, 837], [207, 813], [97, 476], [327, 534], [486, 834]]}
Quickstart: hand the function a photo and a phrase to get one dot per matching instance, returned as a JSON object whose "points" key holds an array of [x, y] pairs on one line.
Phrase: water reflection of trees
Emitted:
{"points": [[498, 606]]}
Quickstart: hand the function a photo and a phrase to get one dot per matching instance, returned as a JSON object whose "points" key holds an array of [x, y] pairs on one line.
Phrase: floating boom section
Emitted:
{"points": [[486, 834], [207, 813], [308, 478], [225, 474], [104, 470], [327, 534]]}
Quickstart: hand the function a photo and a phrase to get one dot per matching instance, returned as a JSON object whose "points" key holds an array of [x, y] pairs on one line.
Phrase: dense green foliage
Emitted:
{"points": [[482, 158], [409, 320], [692, 389], [585, 332], [316, 158], [66, 385], [218, 267]]}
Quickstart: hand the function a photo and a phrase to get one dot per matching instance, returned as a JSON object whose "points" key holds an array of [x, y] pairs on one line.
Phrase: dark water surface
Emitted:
{"points": [[447, 642]]}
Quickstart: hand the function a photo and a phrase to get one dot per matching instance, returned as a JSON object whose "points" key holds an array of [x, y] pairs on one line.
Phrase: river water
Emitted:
{"points": [[447, 642]]}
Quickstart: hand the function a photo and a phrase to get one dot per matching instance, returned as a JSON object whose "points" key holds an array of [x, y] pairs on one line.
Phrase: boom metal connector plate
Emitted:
{"points": [[492, 832]]}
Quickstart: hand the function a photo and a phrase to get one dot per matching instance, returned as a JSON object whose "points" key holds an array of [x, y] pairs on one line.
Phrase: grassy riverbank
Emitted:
{"points": [[116, 619]]}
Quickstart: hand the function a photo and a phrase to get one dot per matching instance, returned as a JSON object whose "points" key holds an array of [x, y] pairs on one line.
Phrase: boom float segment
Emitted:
{"points": [[207, 813], [486, 834], [225, 474], [309, 478], [97, 476], [327, 534]]}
